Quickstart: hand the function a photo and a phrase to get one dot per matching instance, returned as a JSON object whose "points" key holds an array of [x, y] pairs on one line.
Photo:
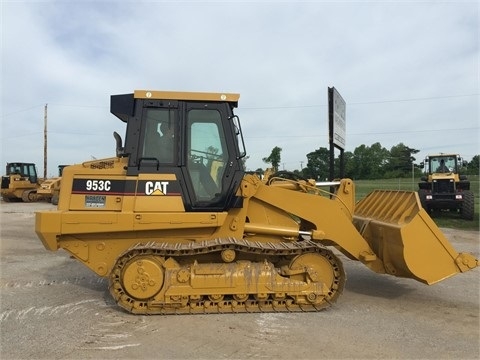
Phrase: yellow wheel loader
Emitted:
{"points": [[20, 182], [443, 188], [178, 227]]}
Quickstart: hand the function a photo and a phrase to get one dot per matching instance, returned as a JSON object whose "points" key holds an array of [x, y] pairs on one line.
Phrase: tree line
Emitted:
{"points": [[364, 163]]}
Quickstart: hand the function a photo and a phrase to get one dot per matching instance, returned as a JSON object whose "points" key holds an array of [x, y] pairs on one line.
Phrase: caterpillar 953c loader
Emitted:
{"points": [[177, 226]]}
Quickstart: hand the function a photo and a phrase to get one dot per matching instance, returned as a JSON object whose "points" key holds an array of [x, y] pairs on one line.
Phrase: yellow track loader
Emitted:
{"points": [[178, 227], [20, 183], [49, 189]]}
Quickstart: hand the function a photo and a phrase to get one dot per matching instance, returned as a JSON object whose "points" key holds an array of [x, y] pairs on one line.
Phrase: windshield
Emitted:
{"points": [[442, 164]]}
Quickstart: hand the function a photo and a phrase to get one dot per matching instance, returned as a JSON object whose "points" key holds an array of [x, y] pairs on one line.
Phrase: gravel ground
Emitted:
{"points": [[52, 307]]}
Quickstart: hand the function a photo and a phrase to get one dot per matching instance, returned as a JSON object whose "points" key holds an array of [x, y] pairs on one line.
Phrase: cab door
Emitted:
{"points": [[154, 159], [212, 164]]}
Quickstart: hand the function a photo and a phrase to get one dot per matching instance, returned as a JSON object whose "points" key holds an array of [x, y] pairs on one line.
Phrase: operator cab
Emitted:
{"points": [[194, 136], [26, 170]]}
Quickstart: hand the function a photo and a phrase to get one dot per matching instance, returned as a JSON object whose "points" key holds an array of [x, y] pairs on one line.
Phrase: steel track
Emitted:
{"points": [[228, 304]]}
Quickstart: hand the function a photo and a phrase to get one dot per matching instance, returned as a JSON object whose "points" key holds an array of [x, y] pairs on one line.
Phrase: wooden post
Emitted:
{"points": [[45, 143]]}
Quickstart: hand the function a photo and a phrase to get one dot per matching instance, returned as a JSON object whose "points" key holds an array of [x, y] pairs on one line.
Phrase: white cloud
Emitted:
{"points": [[407, 70]]}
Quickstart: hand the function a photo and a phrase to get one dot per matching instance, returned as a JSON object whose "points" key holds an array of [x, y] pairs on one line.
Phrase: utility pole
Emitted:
{"points": [[45, 143]]}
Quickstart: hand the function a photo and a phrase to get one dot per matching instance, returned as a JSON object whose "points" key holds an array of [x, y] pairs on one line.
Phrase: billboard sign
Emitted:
{"points": [[337, 118]]}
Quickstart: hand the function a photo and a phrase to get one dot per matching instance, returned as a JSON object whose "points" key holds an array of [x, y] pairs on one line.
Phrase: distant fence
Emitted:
{"points": [[363, 187]]}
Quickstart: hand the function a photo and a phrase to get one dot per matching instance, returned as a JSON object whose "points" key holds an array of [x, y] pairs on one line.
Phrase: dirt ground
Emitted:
{"points": [[52, 307]]}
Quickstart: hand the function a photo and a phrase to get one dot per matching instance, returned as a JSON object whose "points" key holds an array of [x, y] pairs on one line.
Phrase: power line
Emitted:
{"points": [[413, 99], [81, 106], [56, 104], [414, 131], [272, 107], [368, 133], [361, 102], [54, 132], [22, 110]]}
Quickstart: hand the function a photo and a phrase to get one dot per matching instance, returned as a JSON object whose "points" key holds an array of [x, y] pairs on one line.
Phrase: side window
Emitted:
{"points": [[206, 152], [26, 170], [159, 140]]}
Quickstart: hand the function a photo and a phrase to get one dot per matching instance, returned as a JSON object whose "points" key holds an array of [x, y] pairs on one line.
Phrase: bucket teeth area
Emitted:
{"points": [[393, 207]]}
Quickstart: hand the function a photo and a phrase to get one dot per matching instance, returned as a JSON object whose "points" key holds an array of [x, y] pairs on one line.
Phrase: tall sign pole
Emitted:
{"points": [[45, 143], [336, 129]]}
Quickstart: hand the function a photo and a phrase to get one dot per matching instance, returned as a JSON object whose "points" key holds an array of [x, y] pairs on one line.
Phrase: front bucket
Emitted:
{"points": [[406, 239]]}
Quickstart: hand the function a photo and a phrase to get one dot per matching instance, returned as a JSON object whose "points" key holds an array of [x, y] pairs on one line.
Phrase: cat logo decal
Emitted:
{"points": [[156, 188]]}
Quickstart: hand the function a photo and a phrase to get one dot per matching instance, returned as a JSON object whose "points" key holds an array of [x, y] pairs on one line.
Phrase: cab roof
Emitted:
{"points": [[443, 155], [122, 106], [185, 95]]}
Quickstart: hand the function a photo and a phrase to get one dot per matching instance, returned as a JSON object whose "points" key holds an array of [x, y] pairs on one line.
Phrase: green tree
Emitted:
{"points": [[368, 162], [365, 162], [318, 164], [400, 161], [360, 162], [474, 165], [274, 158], [348, 159], [379, 157]]}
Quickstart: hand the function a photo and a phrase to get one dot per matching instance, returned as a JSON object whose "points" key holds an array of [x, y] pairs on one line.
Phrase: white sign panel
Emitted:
{"points": [[339, 120]]}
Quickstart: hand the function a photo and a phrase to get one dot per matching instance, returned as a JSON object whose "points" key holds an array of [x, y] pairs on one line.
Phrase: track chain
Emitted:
{"points": [[227, 305]]}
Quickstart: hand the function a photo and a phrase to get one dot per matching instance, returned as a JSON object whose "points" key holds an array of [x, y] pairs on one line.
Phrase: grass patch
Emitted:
{"points": [[442, 218]]}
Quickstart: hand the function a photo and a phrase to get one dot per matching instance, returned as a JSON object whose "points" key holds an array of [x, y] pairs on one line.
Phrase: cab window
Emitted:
{"points": [[207, 153], [158, 139]]}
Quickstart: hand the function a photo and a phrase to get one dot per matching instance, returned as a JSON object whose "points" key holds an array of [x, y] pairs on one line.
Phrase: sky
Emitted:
{"points": [[407, 70]]}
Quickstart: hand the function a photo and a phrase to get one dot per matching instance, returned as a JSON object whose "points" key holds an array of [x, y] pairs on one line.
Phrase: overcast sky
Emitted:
{"points": [[408, 71]]}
